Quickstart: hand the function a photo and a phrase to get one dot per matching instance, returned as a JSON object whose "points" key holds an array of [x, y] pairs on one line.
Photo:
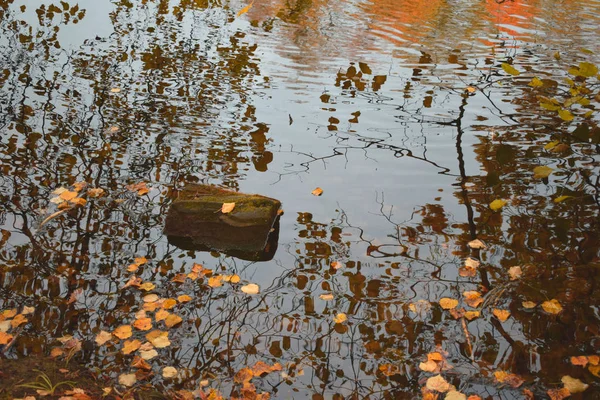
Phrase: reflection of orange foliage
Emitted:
{"points": [[401, 21], [511, 14]]}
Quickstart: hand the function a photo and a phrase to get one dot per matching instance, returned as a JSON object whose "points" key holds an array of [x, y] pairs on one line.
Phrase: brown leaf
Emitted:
{"points": [[502, 315], [179, 278], [140, 363], [552, 306], [389, 369], [447, 303], [140, 188], [243, 375], [317, 192], [467, 272], [508, 378]]}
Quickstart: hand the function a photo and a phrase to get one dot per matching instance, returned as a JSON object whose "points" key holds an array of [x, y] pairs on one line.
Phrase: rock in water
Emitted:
{"points": [[249, 232]]}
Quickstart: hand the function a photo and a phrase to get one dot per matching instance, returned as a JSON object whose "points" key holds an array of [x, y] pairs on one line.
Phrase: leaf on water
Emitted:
{"points": [[5, 338], [148, 354], [169, 372], [159, 339], [317, 192], [5, 326], [148, 286], [59, 190], [471, 89], [420, 307], [536, 82], [127, 379], [68, 195], [551, 145], [574, 385], [161, 314], [447, 303], [552, 306], [560, 199], [509, 69], [227, 207], [103, 337], [97, 192], [587, 69], [477, 244], [336, 265], [497, 204], [558, 394], [169, 304], [244, 375], [129, 346], [172, 320], [454, 395], [594, 360], [542, 172], [261, 368], [18, 320], [151, 298], [502, 315], [471, 315], [529, 304], [467, 272], [471, 262], [123, 332], [179, 278], [515, 272], [326, 296], [140, 363], [184, 298], [510, 379], [565, 115], [389, 369], [581, 361], [134, 281], [250, 288], [143, 324], [115, 90], [437, 383], [78, 201], [245, 9], [340, 318], [215, 281], [473, 298], [139, 187], [429, 366]]}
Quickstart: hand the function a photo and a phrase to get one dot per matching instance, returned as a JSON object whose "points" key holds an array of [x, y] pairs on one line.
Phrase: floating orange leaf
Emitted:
{"points": [[123, 332], [245, 9], [437, 383], [552, 306], [215, 281], [95, 192], [502, 315], [326, 296], [471, 315], [179, 278], [5, 338], [139, 362], [429, 366], [508, 378], [473, 298], [579, 360], [172, 320], [243, 375], [159, 339], [184, 298], [340, 318], [317, 192], [447, 303], [261, 368], [143, 324], [529, 304], [68, 195], [18, 320], [336, 265], [135, 281], [129, 346], [389, 369], [169, 303], [161, 314]]}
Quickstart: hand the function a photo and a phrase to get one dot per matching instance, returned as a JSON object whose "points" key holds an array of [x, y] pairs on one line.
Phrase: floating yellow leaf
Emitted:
{"points": [[115, 90], [103, 337], [18, 320], [509, 69], [552, 306], [143, 324], [184, 298], [227, 207], [437, 383], [151, 298], [471, 262], [561, 199], [502, 315], [68, 195], [172, 320], [587, 69], [429, 366], [317, 192], [5, 326], [245, 9], [340, 318], [161, 314], [250, 288], [127, 379], [542, 172], [159, 339], [497, 204], [148, 286], [574, 385], [169, 303], [123, 332], [129, 346], [471, 315], [447, 303], [169, 372], [454, 395], [471, 89], [148, 354], [565, 115], [536, 82], [326, 296]]}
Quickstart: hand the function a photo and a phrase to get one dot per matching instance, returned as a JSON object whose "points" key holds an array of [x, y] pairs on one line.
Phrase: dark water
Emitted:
{"points": [[367, 100]]}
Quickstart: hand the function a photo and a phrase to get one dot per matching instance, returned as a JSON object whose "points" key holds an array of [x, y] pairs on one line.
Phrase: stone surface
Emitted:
{"points": [[250, 231]]}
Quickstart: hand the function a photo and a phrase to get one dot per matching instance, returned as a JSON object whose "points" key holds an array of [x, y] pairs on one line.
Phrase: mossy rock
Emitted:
{"points": [[195, 221]]}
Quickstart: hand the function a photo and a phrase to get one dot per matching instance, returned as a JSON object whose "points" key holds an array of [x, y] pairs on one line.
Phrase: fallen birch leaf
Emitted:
{"points": [[552, 306], [123, 332], [245, 9], [340, 318], [127, 379], [447, 303], [477, 244], [172, 320], [437, 383], [103, 337], [510, 379], [326, 296], [250, 288], [473, 298], [169, 372], [143, 324], [542, 172], [151, 298], [129, 346], [227, 207], [454, 395], [5, 338], [529, 304], [317, 192], [515, 273], [502, 315], [148, 354], [184, 298], [336, 265]]}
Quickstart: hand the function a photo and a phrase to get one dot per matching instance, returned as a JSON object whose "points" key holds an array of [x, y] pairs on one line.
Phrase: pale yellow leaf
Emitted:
{"points": [[515, 272], [574, 385], [127, 379], [250, 288], [227, 207], [552, 306], [497, 204], [477, 244], [103, 337], [529, 304], [169, 372], [326, 296], [542, 172], [437, 383]]}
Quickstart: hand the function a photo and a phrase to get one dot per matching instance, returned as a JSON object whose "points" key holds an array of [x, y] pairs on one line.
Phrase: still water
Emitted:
{"points": [[400, 111]]}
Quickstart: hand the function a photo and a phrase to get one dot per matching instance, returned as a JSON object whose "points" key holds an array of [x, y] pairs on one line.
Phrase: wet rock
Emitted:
{"points": [[249, 232]]}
